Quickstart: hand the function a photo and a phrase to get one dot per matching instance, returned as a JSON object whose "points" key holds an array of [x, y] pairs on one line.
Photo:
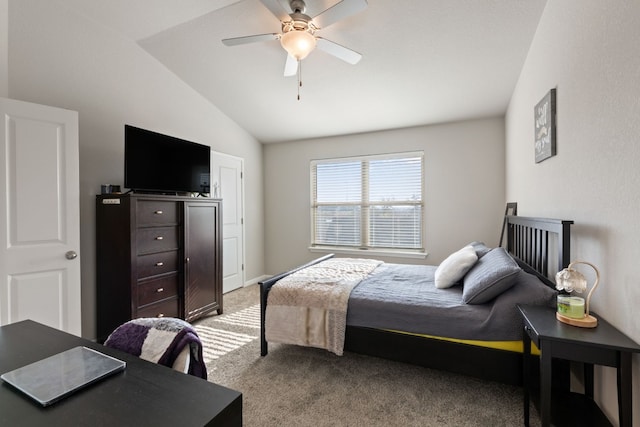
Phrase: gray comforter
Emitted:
{"points": [[404, 298]]}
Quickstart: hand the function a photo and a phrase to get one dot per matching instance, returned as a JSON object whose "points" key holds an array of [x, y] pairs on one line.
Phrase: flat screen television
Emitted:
{"points": [[157, 163]]}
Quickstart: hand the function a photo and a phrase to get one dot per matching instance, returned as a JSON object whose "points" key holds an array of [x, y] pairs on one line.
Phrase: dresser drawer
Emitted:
{"points": [[157, 289], [167, 308], [154, 264], [156, 239], [156, 212]]}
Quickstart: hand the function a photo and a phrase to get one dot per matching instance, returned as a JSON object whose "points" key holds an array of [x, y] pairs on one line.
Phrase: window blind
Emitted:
{"points": [[368, 202]]}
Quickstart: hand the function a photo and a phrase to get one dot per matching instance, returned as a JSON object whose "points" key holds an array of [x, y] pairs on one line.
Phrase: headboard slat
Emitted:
{"points": [[534, 241]]}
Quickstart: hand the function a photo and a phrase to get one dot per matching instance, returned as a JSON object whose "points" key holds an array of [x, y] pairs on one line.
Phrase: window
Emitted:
{"points": [[371, 202]]}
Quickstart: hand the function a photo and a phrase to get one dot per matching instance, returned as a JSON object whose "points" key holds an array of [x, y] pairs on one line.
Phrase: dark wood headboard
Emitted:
{"points": [[541, 245]]}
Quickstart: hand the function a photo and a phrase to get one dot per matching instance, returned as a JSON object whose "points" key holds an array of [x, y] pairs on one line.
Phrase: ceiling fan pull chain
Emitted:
{"points": [[299, 78]]}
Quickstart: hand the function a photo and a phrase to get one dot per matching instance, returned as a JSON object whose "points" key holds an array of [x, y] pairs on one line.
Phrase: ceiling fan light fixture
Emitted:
{"points": [[298, 43]]}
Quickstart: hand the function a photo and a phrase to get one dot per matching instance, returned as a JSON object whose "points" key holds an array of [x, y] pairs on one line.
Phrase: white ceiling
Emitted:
{"points": [[424, 61]]}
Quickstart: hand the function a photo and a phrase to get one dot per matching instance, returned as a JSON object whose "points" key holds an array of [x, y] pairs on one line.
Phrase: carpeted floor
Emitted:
{"points": [[296, 386]]}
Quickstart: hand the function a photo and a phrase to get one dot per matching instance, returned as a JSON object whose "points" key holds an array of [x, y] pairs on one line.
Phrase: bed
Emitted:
{"points": [[539, 246]]}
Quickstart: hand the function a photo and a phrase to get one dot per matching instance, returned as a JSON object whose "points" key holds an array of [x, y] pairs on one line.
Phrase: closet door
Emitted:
{"points": [[203, 284], [39, 216], [227, 181]]}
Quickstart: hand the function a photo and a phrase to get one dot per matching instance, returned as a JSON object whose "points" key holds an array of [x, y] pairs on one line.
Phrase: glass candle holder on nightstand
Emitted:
{"points": [[575, 310]]}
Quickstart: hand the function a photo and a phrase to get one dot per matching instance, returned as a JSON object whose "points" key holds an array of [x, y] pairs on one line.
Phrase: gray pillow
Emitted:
{"points": [[493, 274], [480, 248]]}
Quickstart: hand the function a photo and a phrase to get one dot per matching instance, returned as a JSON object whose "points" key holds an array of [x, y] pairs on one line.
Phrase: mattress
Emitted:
{"points": [[403, 298]]}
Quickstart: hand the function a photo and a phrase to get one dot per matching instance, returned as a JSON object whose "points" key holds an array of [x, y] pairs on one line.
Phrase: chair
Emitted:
{"points": [[167, 341]]}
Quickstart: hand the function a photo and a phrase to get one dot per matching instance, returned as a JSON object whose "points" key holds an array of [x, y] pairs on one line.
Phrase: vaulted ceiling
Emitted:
{"points": [[424, 61]]}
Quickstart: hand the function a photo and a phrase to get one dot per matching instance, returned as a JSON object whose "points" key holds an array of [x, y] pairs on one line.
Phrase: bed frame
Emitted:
{"points": [[541, 247]]}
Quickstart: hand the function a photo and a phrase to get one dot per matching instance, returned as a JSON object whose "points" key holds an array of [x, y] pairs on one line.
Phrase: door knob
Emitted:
{"points": [[71, 255]]}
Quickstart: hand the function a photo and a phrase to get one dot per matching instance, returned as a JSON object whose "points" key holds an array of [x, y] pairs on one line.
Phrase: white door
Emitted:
{"points": [[39, 216], [226, 183]]}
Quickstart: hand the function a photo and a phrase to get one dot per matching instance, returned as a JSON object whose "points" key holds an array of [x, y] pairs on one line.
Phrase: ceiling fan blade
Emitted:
{"points": [[276, 8], [341, 52], [291, 66], [338, 11], [250, 39]]}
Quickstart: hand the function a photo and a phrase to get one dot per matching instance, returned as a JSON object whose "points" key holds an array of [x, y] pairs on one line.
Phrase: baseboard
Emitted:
{"points": [[255, 280]]}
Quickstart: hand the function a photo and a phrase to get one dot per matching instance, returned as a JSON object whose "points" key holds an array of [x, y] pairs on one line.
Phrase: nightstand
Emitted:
{"points": [[602, 345]]}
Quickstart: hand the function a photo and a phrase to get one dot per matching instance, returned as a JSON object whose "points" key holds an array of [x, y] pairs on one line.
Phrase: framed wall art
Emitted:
{"points": [[545, 127]]}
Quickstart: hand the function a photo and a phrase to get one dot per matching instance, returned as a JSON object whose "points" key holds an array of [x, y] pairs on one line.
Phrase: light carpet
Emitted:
{"points": [[296, 386], [219, 339]]}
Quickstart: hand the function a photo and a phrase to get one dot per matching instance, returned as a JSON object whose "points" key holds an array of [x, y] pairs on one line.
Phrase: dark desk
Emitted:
{"points": [[143, 394], [602, 345]]}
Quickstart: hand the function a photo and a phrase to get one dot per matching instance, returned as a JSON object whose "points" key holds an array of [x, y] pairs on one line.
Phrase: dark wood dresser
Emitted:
{"points": [[156, 256]]}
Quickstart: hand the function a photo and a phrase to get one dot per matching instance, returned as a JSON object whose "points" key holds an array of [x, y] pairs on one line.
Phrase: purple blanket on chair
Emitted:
{"points": [[160, 340]]}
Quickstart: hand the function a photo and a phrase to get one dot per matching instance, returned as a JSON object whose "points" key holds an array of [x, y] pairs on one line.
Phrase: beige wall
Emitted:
{"points": [[60, 58], [4, 48], [588, 50], [464, 180]]}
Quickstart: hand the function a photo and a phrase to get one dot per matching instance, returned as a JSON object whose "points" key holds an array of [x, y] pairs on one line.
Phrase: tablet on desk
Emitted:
{"points": [[49, 380]]}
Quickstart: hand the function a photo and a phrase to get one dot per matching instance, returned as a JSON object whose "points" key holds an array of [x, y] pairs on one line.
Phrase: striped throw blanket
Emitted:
{"points": [[161, 340]]}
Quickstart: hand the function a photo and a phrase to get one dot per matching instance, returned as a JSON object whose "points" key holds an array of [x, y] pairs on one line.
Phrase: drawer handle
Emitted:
{"points": [[158, 212], [160, 290], [159, 264], [159, 238]]}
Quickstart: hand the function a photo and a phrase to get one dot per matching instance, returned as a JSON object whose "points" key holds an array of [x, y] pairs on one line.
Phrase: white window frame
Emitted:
{"points": [[364, 205]]}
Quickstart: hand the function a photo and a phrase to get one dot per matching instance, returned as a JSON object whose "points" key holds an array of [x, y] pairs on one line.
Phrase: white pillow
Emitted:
{"points": [[452, 269]]}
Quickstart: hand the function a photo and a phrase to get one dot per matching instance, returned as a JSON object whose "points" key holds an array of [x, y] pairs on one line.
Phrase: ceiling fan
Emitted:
{"points": [[298, 31]]}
